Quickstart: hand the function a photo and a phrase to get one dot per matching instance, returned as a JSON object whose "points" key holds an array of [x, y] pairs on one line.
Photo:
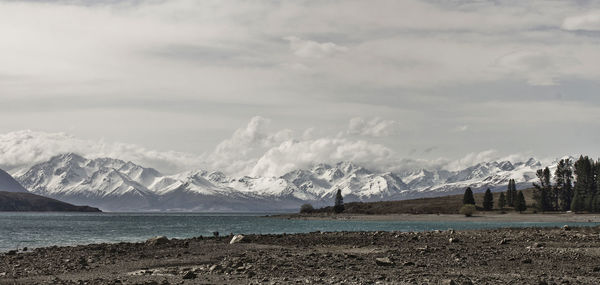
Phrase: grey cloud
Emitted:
{"points": [[192, 72]]}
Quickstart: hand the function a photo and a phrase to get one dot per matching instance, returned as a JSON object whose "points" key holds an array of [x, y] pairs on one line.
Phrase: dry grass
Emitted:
{"points": [[437, 205]]}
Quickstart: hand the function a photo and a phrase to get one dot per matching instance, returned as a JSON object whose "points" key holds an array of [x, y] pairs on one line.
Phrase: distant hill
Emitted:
{"points": [[9, 184], [437, 205], [20, 202]]}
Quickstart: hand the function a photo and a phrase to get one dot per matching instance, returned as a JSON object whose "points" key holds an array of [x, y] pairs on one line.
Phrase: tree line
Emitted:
{"points": [[576, 186], [513, 198]]}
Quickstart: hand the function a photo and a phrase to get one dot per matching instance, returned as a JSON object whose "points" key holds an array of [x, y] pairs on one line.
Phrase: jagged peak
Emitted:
{"points": [[69, 156], [533, 162]]}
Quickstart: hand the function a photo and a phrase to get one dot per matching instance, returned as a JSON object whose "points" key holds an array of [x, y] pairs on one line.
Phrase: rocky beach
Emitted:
{"points": [[502, 256]]}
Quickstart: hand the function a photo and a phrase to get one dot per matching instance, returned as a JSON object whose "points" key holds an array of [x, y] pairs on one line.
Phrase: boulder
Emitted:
{"points": [[236, 239], [384, 261], [158, 240], [189, 275]]}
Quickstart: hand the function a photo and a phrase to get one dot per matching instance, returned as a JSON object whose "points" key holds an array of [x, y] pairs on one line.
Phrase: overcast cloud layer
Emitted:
{"points": [[379, 82]]}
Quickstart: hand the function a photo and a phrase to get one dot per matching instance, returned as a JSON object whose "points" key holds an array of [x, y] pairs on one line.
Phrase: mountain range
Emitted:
{"points": [[116, 185]]}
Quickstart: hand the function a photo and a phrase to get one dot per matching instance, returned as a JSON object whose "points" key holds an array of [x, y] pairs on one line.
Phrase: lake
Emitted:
{"points": [[18, 230]]}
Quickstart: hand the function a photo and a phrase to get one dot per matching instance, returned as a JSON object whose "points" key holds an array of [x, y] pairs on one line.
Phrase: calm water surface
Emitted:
{"points": [[32, 230]]}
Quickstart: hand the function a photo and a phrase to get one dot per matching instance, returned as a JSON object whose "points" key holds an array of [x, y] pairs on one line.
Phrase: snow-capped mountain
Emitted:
{"points": [[116, 185]]}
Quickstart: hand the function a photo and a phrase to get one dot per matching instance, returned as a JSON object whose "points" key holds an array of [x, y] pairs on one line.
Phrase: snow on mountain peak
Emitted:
{"points": [[114, 184]]}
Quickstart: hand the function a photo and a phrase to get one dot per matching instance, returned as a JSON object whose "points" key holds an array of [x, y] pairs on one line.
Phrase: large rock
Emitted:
{"points": [[384, 261], [158, 240], [236, 239]]}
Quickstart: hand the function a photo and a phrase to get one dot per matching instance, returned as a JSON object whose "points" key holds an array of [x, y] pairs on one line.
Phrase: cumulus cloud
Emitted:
{"points": [[292, 155], [238, 153], [375, 127], [21, 149], [585, 22], [252, 150], [313, 49]]}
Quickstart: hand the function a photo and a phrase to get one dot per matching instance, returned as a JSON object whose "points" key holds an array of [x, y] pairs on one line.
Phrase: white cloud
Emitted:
{"points": [[237, 153], [291, 155], [376, 127], [313, 49], [585, 22], [252, 150], [473, 159], [22, 149]]}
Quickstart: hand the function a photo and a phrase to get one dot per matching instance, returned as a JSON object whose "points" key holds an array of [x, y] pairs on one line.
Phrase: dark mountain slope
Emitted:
{"points": [[21, 202], [9, 184]]}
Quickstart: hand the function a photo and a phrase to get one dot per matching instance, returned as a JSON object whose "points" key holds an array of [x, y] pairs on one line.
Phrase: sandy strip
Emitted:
{"points": [[509, 217]]}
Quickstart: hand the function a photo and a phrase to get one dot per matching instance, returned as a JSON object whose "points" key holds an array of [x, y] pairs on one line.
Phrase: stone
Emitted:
{"points": [[384, 261], [11, 252], [214, 268], [408, 263], [236, 239], [449, 282], [158, 240], [503, 241], [453, 240], [189, 275], [566, 228]]}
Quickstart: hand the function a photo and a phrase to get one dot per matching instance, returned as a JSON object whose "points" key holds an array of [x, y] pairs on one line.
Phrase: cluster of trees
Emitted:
{"points": [[513, 198], [575, 188]]}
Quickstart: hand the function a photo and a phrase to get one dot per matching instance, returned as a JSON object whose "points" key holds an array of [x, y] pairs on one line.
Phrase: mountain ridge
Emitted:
{"points": [[116, 185]]}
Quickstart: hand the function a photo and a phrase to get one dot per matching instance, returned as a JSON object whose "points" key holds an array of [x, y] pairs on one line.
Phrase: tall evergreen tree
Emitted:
{"points": [[584, 188], [520, 204], [543, 191], [488, 200], [339, 202], [468, 197], [509, 193], [563, 177], [501, 201]]}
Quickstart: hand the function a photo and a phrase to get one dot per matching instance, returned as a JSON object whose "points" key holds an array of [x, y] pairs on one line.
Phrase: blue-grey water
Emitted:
{"points": [[18, 230]]}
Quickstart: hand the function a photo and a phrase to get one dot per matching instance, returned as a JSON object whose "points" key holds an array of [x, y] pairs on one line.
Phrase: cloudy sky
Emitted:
{"points": [[261, 87]]}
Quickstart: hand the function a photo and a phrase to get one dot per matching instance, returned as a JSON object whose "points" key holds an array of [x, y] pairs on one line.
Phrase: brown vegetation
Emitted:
{"points": [[436, 205]]}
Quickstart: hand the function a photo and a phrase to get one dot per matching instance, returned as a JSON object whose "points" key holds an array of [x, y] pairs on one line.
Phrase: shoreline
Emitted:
{"points": [[479, 217], [509, 255]]}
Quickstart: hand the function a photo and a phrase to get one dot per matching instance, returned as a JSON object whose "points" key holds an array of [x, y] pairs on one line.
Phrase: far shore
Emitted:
{"points": [[478, 217]]}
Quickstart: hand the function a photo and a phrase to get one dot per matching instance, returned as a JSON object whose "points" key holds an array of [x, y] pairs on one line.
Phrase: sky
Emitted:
{"points": [[264, 87]]}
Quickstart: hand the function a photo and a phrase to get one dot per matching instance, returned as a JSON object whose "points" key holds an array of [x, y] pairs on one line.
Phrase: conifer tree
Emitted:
{"points": [[501, 201], [468, 197], [509, 193], [488, 200], [520, 204], [543, 191], [339, 202], [563, 177], [584, 188]]}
